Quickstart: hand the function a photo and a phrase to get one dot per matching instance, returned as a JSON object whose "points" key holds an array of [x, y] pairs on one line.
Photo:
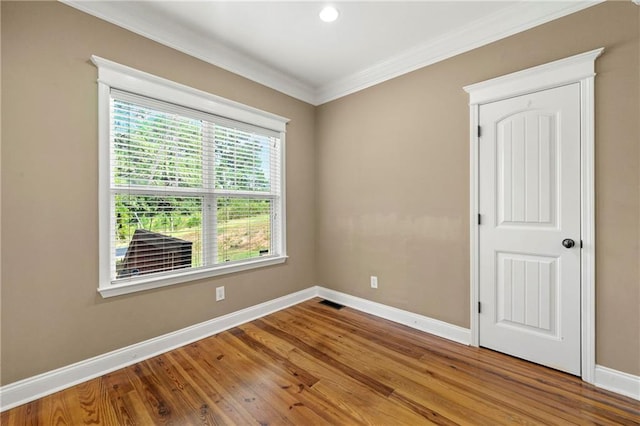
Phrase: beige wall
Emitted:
{"points": [[0, 199], [379, 179], [51, 313], [393, 178]]}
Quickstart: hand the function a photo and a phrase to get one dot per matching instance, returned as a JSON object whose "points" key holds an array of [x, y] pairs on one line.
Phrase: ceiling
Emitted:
{"points": [[284, 45]]}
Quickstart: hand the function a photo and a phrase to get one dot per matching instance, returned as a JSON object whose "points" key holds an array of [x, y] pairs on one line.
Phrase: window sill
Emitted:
{"points": [[111, 290]]}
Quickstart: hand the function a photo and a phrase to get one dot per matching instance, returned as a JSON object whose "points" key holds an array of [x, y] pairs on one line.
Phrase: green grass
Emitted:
{"points": [[243, 238]]}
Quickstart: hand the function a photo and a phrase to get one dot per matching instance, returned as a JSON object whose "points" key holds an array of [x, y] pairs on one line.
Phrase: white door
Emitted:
{"points": [[529, 199]]}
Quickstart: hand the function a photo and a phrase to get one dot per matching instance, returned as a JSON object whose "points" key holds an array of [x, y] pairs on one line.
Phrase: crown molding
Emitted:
{"points": [[185, 40], [520, 17]]}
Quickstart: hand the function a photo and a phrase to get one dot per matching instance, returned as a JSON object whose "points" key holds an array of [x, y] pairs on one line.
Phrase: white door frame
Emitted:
{"points": [[575, 69]]}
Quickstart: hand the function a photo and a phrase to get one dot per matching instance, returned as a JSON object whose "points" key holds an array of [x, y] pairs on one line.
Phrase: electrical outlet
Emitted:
{"points": [[374, 282], [219, 293]]}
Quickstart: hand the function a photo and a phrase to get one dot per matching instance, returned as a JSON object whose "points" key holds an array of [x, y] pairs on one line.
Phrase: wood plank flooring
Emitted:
{"points": [[312, 364]]}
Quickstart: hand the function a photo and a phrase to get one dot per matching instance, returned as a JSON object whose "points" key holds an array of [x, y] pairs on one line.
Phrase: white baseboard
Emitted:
{"points": [[410, 319], [44, 384], [616, 381]]}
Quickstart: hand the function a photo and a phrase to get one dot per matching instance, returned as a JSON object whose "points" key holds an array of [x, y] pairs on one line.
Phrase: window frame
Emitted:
{"points": [[112, 75]]}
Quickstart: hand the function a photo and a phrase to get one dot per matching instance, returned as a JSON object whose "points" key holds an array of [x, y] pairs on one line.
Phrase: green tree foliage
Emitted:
{"points": [[238, 166], [155, 148]]}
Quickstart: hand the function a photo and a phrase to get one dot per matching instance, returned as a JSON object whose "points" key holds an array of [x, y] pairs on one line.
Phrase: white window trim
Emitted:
{"points": [[575, 69], [117, 76]]}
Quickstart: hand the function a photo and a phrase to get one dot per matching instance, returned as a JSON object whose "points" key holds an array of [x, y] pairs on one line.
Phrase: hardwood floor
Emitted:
{"points": [[312, 364]]}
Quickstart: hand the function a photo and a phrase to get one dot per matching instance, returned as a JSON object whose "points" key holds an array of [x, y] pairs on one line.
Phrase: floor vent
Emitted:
{"points": [[332, 304]]}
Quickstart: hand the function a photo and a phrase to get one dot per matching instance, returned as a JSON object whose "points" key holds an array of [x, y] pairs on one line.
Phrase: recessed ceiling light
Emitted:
{"points": [[329, 14]]}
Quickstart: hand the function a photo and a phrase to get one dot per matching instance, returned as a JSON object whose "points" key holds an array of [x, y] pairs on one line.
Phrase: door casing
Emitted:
{"points": [[575, 69]]}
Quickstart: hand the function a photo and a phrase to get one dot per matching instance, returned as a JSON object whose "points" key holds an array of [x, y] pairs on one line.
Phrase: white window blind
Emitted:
{"points": [[189, 190]]}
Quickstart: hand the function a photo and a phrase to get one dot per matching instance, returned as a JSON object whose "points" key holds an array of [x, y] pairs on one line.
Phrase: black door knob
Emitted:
{"points": [[568, 242]]}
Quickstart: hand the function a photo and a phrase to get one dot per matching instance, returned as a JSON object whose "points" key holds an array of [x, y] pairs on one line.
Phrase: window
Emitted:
{"points": [[191, 184]]}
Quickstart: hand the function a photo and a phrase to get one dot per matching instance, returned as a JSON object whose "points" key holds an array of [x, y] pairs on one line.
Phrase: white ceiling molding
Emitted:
{"points": [[502, 24], [190, 42], [520, 17]]}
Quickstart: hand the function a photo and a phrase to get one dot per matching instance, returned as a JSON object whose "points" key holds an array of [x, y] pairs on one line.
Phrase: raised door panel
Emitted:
{"points": [[527, 160], [527, 293]]}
